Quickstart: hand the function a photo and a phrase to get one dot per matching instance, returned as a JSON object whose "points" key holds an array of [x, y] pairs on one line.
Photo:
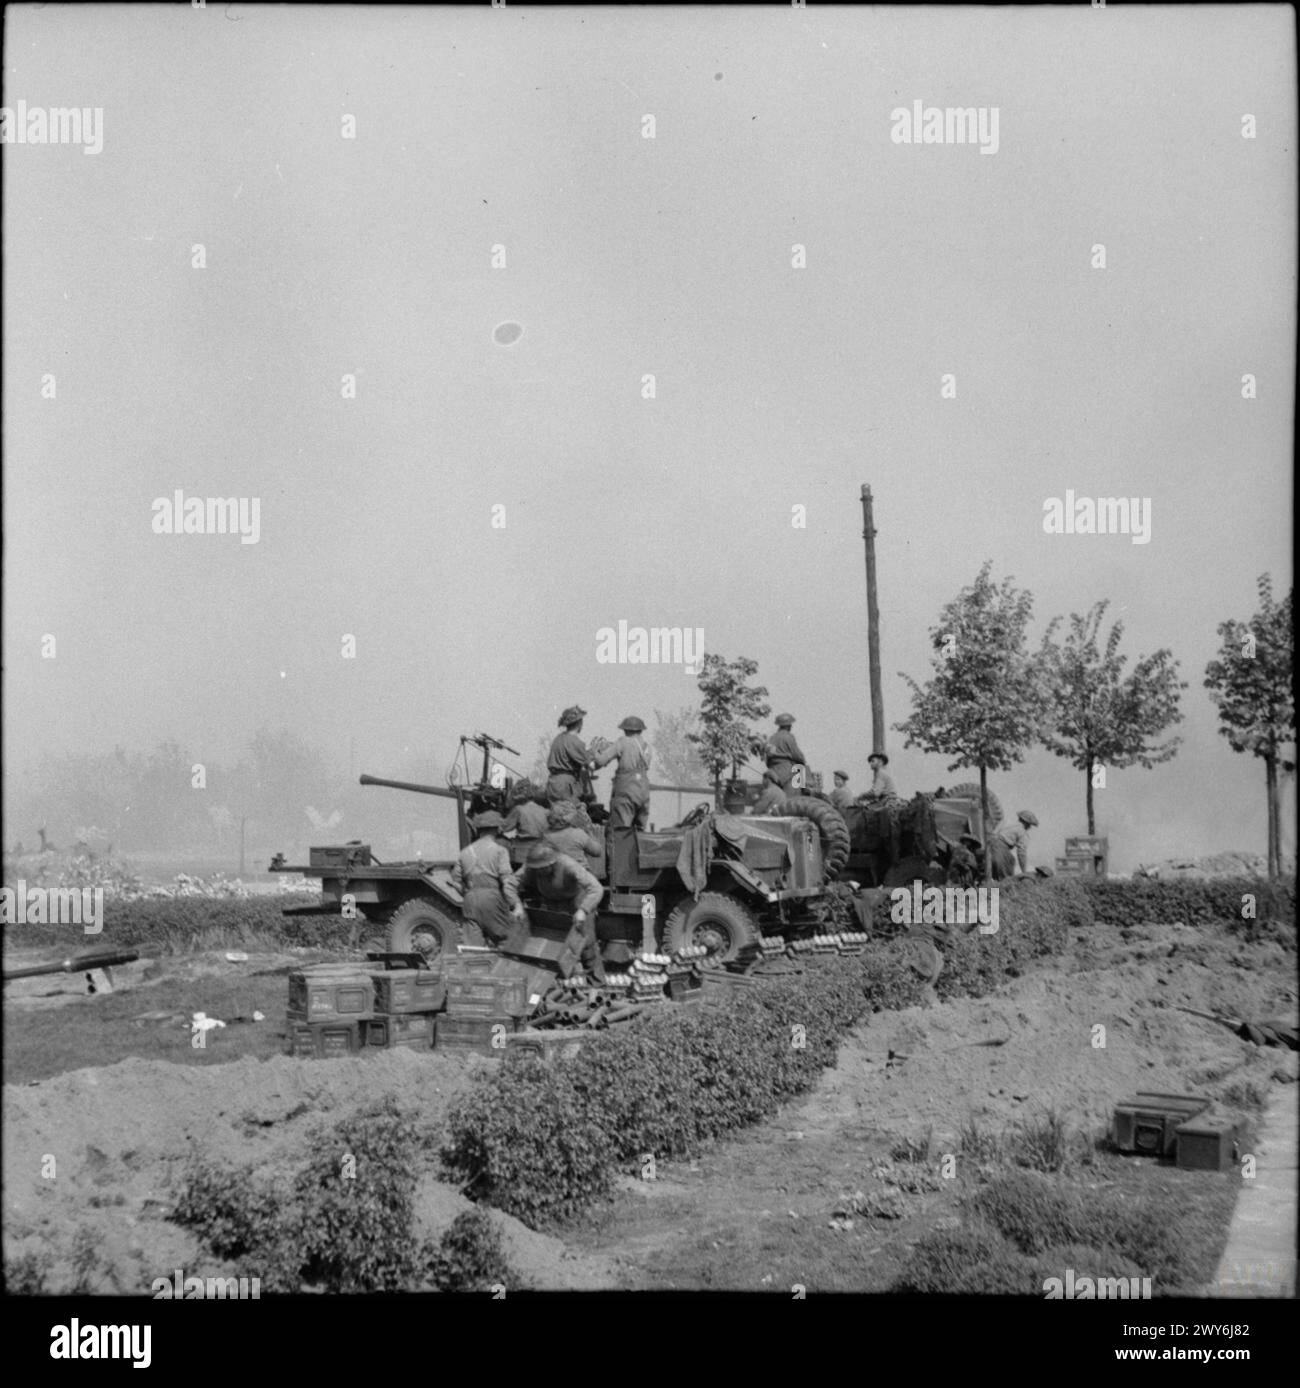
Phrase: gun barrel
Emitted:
{"points": [[444, 791], [104, 959]]}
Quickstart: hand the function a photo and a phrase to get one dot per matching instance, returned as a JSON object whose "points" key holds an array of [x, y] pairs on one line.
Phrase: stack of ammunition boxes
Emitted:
{"points": [[1177, 1126], [486, 997], [1086, 855], [343, 1009]]}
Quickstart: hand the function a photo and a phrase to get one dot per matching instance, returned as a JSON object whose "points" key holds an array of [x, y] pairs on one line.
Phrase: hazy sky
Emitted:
{"points": [[628, 256]]}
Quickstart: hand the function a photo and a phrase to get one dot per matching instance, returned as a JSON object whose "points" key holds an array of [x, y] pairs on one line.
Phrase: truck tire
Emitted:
{"points": [[971, 791], [423, 926], [831, 827], [725, 926]]}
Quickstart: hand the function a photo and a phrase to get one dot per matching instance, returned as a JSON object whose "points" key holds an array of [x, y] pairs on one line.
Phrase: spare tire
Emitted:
{"points": [[834, 832], [971, 791]]}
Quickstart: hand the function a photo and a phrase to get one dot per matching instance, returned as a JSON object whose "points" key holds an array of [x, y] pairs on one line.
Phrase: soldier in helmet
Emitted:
{"points": [[483, 875], [782, 755], [527, 816], [569, 831], [568, 762], [561, 883], [630, 799]]}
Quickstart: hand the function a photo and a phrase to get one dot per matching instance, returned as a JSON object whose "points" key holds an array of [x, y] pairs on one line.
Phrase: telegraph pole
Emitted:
{"points": [[873, 626]]}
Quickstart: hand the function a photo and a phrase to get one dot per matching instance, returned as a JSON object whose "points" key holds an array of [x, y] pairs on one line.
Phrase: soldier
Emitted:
{"points": [[482, 874], [964, 862], [782, 752], [567, 833], [561, 882], [527, 817], [568, 761], [1009, 846], [630, 799], [841, 796], [882, 783]]}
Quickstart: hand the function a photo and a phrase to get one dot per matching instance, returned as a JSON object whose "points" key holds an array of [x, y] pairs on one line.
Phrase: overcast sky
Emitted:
{"points": [[627, 256]]}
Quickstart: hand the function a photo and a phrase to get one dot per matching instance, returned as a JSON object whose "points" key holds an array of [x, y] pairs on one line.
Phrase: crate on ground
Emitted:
{"points": [[484, 1035], [1093, 847], [684, 986], [1208, 1144], [484, 986], [560, 1043], [408, 990], [331, 992], [1147, 1124], [324, 1040], [405, 1030]]}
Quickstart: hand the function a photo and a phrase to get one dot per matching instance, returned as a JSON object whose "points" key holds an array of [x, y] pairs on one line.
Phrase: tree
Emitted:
{"points": [[677, 756], [1100, 718], [537, 773], [1251, 682], [985, 703], [725, 737]]}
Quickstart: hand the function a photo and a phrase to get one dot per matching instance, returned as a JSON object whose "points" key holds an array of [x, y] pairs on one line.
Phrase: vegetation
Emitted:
{"points": [[985, 704], [1251, 681], [1100, 717], [725, 738]]}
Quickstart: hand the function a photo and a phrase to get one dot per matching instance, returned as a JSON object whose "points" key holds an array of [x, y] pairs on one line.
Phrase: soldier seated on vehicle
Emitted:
{"points": [[568, 830], [527, 817]]}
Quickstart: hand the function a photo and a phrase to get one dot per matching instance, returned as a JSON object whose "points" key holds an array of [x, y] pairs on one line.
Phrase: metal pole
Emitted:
{"points": [[873, 626], [242, 822]]}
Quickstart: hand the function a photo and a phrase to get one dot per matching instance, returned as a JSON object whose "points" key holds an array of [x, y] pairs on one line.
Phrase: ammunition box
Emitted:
{"points": [[1208, 1144], [408, 990], [477, 989], [410, 1031], [1147, 1124], [485, 1035], [324, 1040], [549, 1046], [330, 994]]}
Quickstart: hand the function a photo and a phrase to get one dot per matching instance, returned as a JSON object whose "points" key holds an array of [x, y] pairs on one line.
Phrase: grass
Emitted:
{"points": [[39, 1043]]}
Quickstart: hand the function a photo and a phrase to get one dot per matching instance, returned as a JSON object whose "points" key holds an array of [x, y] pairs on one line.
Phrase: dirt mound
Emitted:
{"points": [[1050, 1054], [1232, 864], [100, 1151]]}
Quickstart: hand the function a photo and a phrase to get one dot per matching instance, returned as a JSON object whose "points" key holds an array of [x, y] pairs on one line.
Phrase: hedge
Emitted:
{"points": [[187, 922], [542, 1142], [1191, 901]]}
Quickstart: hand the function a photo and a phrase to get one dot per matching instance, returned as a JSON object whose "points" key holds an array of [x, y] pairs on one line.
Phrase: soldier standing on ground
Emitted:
{"points": [[1009, 845], [563, 883], [630, 799], [483, 876], [568, 762]]}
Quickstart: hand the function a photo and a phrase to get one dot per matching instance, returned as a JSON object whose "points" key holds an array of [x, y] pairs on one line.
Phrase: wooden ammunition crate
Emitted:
{"points": [[1208, 1144], [410, 1031], [683, 987], [1094, 847], [1148, 1123], [1075, 867], [550, 1046], [477, 991], [331, 994], [324, 1040], [409, 990], [484, 1035]]}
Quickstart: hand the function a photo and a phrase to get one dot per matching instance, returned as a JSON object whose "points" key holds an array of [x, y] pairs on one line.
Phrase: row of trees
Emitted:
{"points": [[990, 698]]}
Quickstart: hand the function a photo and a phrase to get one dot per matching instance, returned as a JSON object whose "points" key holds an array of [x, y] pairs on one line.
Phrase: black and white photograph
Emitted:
{"points": [[648, 667]]}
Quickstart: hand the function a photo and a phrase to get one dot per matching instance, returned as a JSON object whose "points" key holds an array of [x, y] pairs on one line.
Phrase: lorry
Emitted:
{"points": [[718, 881]]}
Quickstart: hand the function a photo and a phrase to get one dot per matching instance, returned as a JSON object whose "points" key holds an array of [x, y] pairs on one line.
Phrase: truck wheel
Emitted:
{"points": [[422, 926], [971, 791], [831, 827], [724, 926]]}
